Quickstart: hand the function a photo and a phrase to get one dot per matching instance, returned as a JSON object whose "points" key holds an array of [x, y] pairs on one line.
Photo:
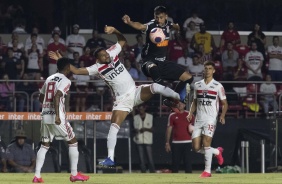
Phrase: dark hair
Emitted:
{"points": [[55, 33], [160, 9], [209, 63], [62, 63], [33, 34], [96, 52]]}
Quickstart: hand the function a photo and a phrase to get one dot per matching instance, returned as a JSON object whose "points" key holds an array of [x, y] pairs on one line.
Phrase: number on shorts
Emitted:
{"points": [[50, 92], [211, 128]]}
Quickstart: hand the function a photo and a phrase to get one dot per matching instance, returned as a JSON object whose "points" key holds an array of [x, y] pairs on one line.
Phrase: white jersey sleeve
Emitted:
{"points": [[43, 89], [114, 50], [92, 70], [221, 92], [64, 86]]}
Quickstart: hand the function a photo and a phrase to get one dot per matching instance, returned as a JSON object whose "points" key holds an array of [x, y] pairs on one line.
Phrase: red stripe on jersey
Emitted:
{"points": [[103, 67], [209, 92], [116, 59]]}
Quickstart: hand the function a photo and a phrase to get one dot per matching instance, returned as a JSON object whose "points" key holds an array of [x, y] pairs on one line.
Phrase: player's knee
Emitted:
{"points": [[156, 88]]}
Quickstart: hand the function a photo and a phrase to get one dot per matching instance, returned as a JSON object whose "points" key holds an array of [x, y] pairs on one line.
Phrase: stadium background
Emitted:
{"points": [[95, 14]]}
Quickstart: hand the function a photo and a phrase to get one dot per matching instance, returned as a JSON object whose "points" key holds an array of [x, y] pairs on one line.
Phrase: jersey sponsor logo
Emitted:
{"points": [[48, 113], [163, 44], [205, 103], [115, 72], [160, 59]]}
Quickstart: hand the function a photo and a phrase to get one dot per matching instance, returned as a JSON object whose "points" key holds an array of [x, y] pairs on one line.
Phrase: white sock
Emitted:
{"points": [[73, 155], [208, 159], [165, 91], [215, 151], [202, 151], [112, 140], [40, 158]]}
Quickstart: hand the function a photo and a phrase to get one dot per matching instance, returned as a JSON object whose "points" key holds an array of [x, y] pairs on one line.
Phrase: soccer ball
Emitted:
{"points": [[157, 35]]}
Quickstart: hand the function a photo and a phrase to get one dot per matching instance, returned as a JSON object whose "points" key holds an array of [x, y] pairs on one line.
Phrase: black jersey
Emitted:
{"points": [[156, 51]]}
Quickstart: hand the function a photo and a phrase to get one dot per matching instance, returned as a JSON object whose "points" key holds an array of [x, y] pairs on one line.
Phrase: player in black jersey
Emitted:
{"points": [[153, 55]]}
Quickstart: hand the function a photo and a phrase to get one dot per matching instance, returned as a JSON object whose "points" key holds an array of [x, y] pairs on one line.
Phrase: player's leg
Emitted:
{"points": [[147, 92], [209, 129], [150, 69], [118, 117], [65, 130], [46, 138], [183, 87]]}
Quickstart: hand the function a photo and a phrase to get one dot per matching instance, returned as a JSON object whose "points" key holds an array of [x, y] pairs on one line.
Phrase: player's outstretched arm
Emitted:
{"points": [[79, 71], [135, 25], [119, 35]]}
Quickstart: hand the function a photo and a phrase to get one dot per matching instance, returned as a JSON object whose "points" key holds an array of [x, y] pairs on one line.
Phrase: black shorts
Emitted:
{"points": [[168, 70]]}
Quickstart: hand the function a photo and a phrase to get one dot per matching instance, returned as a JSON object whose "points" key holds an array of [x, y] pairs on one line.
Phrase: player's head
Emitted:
{"points": [[160, 15], [101, 55], [63, 65], [209, 69]]}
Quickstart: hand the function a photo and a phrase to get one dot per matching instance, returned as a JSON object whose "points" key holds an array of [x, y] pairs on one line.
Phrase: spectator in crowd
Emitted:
{"points": [[203, 56], [75, 60], [56, 30], [194, 19], [10, 64], [204, 38], [142, 76], [34, 62], [189, 35], [28, 46], [254, 62], [259, 38], [19, 27], [87, 57], [7, 90], [184, 61], [29, 88], [54, 46], [196, 68], [96, 41], [143, 128], [81, 85], [132, 71], [3, 161], [275, 60], [268, 90], [15, 36], [229, 64], [229, 47], [240, 73], [75, 42], [20, 55], [20, 155], [181, 140], [137, 48], [230, 35], [176, 47], [39, 39]]}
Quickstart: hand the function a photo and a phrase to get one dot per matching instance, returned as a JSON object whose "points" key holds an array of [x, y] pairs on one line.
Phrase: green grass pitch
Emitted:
{"points": [[161, 178]]}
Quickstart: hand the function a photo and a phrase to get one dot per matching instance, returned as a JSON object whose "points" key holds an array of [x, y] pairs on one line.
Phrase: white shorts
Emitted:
{"points": [[129, 100], [63, 131], [206, 127]]}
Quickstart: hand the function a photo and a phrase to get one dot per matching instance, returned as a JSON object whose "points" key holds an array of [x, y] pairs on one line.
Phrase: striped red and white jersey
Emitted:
{"points": [[52, 84], [114, 74], [208, 96]]}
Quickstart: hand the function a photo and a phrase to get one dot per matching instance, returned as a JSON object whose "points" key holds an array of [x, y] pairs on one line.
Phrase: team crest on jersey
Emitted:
{"points": [[205, 93]]}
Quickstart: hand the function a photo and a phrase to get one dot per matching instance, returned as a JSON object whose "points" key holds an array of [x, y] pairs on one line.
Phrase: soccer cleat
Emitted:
{"points": [[205, 175], [219, 157], [172, 104], [79, 177], [37, 180], [107, 163], [184, 93]]}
